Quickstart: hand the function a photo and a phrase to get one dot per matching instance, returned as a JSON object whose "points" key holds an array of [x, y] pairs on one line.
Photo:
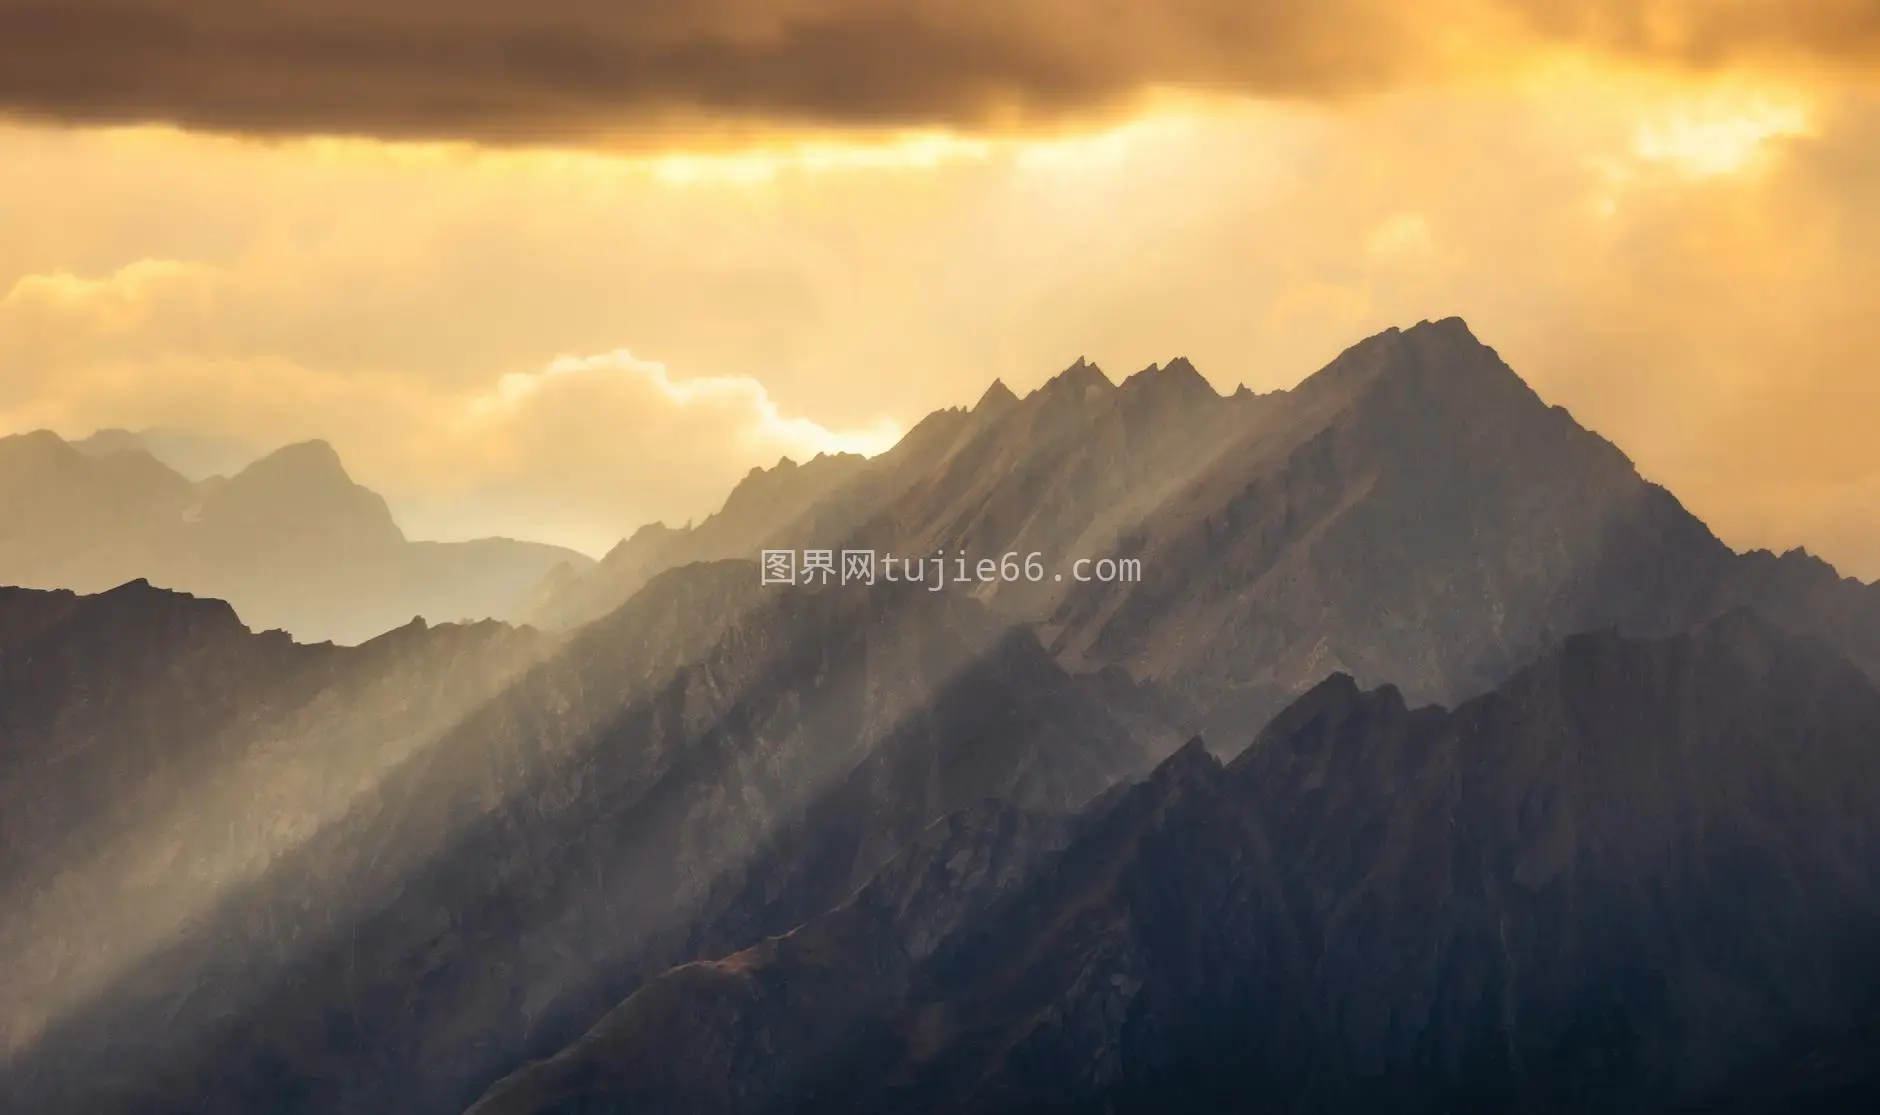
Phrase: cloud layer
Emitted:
{"points": [[1690, 266], [685, 71]]}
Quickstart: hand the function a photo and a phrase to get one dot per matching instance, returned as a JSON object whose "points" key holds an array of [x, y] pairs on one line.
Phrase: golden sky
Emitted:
{"points": [[555, 269]]}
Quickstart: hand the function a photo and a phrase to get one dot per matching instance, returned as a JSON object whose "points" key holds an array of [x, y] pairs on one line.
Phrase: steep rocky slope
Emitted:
{"points": [[154, 753], [709, 765], [1640, 875]]}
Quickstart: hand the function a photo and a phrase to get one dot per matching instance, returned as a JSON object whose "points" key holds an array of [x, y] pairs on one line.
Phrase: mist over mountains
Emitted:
{"points": [[289, 539], [1509, 787]]}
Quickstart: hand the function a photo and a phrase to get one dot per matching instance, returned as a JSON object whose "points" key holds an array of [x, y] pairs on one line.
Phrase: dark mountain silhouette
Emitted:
{"points": [[1639, 875], [291, 541]]}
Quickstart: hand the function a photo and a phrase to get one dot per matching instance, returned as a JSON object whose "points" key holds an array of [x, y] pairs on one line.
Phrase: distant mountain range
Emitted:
{"points": [[195, 456], [289, 540], [1520, 792]]}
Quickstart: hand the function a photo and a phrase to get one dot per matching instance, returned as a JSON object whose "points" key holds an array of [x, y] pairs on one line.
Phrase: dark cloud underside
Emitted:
{"points": [[582, 69]]}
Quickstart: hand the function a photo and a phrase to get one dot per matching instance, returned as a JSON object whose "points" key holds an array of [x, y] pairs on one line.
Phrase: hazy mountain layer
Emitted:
{"points": [[290, 540]]}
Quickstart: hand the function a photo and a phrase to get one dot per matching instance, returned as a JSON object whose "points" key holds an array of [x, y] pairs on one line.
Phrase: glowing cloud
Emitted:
{"points": [[1719, 134]]}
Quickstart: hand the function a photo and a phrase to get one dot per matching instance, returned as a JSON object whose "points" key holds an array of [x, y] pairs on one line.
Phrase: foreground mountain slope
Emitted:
{"points": [[291, 541], [643, 788], [154, 752], [1640, 875]]}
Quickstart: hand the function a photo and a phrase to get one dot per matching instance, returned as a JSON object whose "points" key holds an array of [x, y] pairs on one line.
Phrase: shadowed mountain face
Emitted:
{"points": [[1639, 875], [703, 768], [156, 753], [290, 540]]}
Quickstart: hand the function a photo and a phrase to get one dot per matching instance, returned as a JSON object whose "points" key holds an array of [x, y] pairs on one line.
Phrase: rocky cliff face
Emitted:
{"points": [[1638, 876]]}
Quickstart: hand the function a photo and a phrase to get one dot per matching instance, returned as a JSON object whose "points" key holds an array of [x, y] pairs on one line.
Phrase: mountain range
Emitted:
{"points": [[1412, 514], [1520, 791], [290, 540]]}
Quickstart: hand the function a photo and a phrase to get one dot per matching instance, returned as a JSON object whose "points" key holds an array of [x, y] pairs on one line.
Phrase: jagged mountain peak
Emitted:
{"points": [[997, 400], [1082, 378], [300, 495], [646, 538], [761, 488], [1439, 356], [1190, 760], [150, 607], [312, 460], [37, 446], [1801, 564], [1175, 383], [1452, 326]]}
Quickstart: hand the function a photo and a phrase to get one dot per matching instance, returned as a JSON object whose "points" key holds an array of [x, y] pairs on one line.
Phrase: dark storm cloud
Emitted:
{"points": [[561, 67], [579, 69]]}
